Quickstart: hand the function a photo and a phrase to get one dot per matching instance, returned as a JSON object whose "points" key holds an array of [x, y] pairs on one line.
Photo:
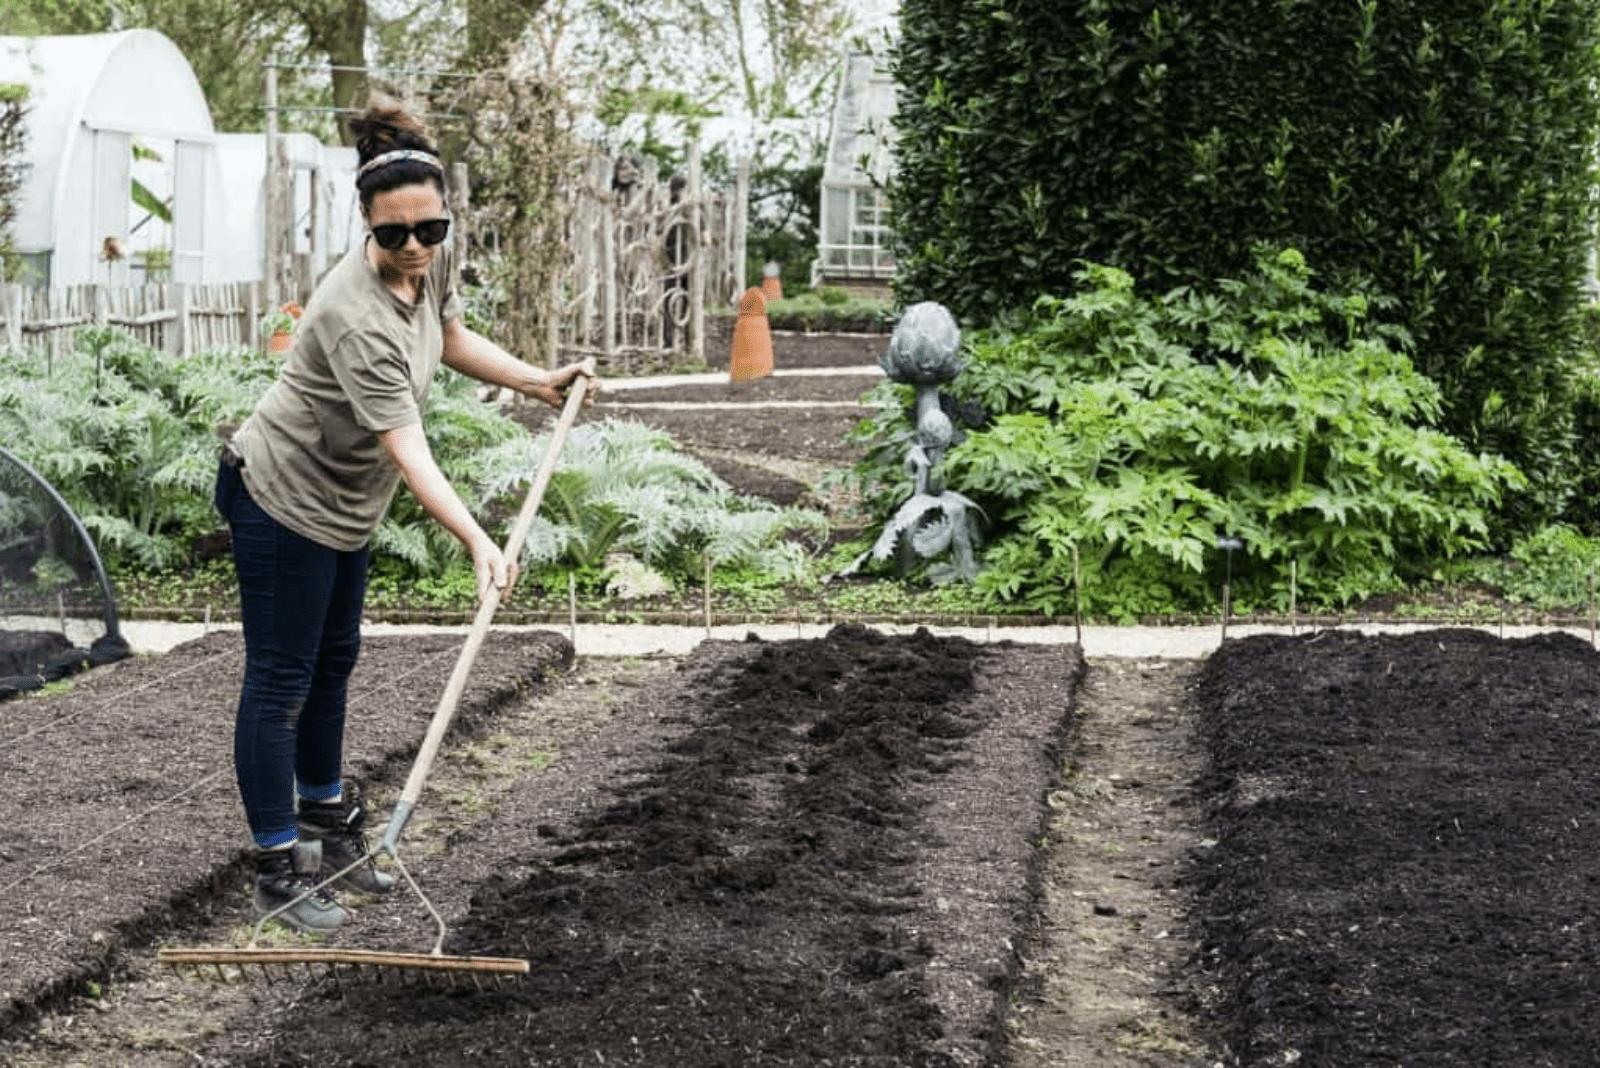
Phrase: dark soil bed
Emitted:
{"points": [[805, 852], [799, 853], [120, 815], [1404, 861]]}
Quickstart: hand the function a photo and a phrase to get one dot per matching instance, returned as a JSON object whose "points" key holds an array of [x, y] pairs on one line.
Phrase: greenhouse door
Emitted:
{"points": [[109, 215], [189, 212]]}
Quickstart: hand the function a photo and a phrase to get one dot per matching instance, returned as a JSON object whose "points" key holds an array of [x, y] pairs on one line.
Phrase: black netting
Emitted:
{"points": [[57, 614]]}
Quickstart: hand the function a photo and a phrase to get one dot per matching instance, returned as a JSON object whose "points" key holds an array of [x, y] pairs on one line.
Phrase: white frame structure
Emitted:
{"points": [[855, 231]]}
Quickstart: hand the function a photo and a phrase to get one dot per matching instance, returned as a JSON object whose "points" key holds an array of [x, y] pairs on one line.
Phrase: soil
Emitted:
{"points": [[862, 849]]}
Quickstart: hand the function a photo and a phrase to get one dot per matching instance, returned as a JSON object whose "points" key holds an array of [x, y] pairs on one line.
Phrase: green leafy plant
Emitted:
{"points": [[1136, 432], [126, 434], [830, 309], [623, 487], [1548, 569]]}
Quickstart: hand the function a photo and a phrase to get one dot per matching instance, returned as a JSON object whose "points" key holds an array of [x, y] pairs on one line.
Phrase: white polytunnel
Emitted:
{"points": [[117, 130]]}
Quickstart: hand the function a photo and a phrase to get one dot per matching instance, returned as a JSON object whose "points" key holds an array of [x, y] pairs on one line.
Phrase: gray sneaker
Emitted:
{"points": [[278, 882], [337, 827]]}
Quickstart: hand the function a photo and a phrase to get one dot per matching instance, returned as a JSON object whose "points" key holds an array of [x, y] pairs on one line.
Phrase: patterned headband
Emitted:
{"points": [[396, 156]]}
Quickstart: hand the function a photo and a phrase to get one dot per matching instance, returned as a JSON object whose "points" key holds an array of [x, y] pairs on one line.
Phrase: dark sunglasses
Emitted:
{"points": [[392, 236]]}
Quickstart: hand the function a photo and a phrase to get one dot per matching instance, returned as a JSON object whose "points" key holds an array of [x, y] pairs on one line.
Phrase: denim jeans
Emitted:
{"points": [[300, 603]]}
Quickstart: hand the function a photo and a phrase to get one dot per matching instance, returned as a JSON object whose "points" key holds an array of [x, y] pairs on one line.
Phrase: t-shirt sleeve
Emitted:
{"points": [[449, 298], [376, 378]]}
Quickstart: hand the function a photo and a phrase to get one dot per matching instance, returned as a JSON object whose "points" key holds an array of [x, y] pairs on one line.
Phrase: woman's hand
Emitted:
{"points": [[553, 389], [491, 568]]}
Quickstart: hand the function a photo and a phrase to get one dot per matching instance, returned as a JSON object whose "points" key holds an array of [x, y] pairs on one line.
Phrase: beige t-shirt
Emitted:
{"points": [[361, 364]]}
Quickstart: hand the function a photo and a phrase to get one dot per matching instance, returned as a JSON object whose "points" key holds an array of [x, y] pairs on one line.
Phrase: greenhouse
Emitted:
{"points": [[110, 115], [855, 247], [128, 181]]}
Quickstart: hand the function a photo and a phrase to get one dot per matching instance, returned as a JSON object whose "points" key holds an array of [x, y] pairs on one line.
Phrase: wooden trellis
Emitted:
{"points": [[648, 258]]}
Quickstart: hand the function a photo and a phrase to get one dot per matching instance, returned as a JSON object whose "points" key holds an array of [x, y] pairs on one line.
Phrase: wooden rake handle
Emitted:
{"points": [[440, 725]]}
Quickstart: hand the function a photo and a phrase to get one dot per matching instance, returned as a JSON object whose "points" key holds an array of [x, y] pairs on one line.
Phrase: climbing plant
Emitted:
{"points": [[13, 109], [520, 152]]}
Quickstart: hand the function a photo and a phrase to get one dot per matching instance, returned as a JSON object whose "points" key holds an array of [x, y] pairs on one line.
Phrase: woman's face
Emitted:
{"points": [[406, 206]]}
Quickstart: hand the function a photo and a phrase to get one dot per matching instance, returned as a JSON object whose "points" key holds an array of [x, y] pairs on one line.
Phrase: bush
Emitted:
{"points": [[1443, 151], [622, 487], [831, 310], [1139, 431]]}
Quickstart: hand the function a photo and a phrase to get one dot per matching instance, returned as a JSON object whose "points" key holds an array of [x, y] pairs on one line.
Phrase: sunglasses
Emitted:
{"points": [[392, 236]]}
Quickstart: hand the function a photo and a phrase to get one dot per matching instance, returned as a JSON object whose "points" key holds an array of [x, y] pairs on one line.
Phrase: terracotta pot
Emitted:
{"points": [[280, 341]]}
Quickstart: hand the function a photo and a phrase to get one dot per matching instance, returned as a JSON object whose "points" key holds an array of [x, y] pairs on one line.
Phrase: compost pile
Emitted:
{"points": [[1404, 855]]}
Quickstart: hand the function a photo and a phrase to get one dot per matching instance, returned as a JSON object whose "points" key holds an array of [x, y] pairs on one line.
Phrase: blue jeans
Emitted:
{"points": [[300, 603]]}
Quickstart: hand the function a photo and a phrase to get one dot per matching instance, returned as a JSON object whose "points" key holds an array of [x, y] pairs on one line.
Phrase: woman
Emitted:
{"points": [[305, 481]]}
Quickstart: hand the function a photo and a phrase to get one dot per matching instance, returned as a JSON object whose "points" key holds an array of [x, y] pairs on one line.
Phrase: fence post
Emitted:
{"points": [[740, 228], [460, 206], [178, 342], [697, 258], [269, 206], [14, 316], [609, 220], [250, 335]]}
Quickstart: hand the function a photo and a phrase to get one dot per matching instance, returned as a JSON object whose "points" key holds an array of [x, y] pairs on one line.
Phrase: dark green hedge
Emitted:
{"points": [[1439, 150]]}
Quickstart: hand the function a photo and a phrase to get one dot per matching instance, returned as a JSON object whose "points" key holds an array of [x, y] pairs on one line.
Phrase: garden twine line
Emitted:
{"points": [[193, 787]]}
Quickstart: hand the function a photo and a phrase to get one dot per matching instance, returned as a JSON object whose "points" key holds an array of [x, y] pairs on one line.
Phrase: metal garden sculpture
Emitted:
{"points": [[925, 352]]}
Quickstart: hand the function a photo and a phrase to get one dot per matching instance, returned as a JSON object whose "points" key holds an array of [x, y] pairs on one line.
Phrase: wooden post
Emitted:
{"points": [[269, 200], [460, 205], [179, 340], [609, 221], [708, 595], [313, 241], [250, 336], [741, 226], [553, 325], [1294, 594], [1077, 598], [697, 259], [14, 316]]}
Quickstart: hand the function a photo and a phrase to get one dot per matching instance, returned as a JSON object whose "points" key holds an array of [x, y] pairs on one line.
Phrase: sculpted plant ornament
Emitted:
{"points": [[925, 352]]}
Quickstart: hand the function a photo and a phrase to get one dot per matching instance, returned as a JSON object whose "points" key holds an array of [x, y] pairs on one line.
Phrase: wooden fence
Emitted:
{"points": [[174, 316]]}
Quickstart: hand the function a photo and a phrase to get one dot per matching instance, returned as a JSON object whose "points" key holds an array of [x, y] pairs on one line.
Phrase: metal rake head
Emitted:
{"points": [[362, 965]]}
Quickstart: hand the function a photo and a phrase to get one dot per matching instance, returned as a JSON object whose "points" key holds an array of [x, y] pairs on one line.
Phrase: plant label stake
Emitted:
{"points": [[1294, 589], [1077, 597], [1227, 544], [1591, 607]]}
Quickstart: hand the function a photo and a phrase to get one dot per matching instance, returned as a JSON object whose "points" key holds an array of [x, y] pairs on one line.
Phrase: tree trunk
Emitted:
{"points": [[338, 29]]}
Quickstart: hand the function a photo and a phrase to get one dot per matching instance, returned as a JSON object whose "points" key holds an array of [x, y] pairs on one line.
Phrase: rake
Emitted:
{"points": [[283, 961]]}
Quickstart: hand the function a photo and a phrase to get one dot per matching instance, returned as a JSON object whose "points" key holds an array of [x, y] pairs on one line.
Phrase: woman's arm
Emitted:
{"points": [[408, 447], [472, 354]]}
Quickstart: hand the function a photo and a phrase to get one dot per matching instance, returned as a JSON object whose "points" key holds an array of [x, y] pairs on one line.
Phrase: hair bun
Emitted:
{"points": [[387, 127]]}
